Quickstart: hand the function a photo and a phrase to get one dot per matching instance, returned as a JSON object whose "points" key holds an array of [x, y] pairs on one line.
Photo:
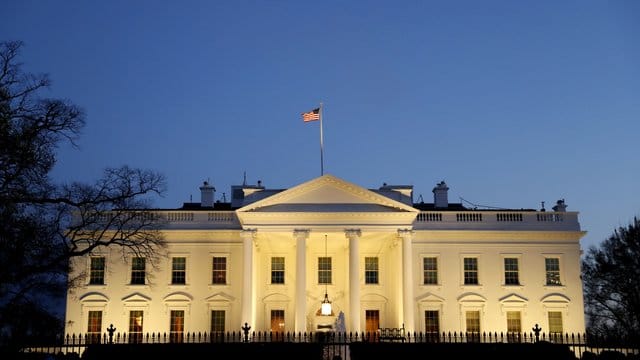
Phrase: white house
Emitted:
{"points": [[268, 258]]}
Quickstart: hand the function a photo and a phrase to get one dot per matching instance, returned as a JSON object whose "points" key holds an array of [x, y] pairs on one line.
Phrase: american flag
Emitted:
{"points": [[312, 115]]}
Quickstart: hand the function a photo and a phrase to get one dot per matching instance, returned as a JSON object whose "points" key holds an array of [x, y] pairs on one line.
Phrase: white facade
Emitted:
{"points": [[522, 267]]}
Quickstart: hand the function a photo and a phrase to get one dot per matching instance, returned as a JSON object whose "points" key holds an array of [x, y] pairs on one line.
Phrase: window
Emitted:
{"points": [[217, 324], [219, 270], [94, 327], [96, 275], [135, 326], [432, 325], [555, 323], [470, 271], [277, 321], [552, 268], [176, 327], [137, 270], [430, 270], [514, 326], [277, 270], [371, 270], [324, 270], [179, 271], [511, 275], [473, 326]]}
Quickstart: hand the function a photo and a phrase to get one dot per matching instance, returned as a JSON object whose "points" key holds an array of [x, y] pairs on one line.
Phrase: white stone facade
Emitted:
{"points": [[522, 267]]}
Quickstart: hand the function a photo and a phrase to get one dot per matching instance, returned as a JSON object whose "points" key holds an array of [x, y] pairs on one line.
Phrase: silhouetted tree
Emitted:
{"points": [[44, 225], [611, 277]]}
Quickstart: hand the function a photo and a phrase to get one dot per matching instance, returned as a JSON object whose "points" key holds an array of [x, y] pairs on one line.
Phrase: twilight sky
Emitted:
{"points": [[510, 102]]}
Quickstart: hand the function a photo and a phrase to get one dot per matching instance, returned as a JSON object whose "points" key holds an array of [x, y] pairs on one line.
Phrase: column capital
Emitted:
{"points": [[301, 234], [249, 234], [352, 233], [405, 233]]}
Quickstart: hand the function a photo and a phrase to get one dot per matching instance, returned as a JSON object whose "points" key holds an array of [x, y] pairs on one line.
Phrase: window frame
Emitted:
{"points": [[433, 272], [475, 272], [278, 273], [138, 270], [508, 274], [219, 273], [553, 277], [325, 273], [175, 273], [372, 270], [97, 274]]}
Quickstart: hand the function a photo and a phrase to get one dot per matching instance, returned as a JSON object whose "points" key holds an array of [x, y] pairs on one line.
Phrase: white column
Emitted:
{"points": [[354, 279], [301, 280], [408, 315], [248, 306]]}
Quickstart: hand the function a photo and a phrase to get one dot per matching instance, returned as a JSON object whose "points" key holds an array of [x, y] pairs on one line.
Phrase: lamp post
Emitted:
{"points": [[325, 308]]}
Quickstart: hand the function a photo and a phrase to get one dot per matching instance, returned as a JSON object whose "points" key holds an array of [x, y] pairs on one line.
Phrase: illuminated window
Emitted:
{"points": [[324, 270], [511, 274], [552, 268], [473, 326], [219, 270], [94, 327], [135, 326], [514, 326], [96, 275], [179, 271], [470, 271], [277, 270], [138, 271], [277, 320], [430, 270], [371, 270], [555, 322], [432, 324], [217, 322], [176, 326]]}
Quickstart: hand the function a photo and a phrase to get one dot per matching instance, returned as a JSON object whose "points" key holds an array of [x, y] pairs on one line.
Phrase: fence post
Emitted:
{"points": [[536, 329], [111, 330], [246, 329]]}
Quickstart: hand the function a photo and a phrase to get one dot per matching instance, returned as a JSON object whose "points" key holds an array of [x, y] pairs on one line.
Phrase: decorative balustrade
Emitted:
{"points": [[497, 220]]}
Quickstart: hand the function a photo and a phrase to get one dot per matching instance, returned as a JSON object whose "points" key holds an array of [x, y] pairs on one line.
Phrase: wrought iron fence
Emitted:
{"points": [[336, 342]]}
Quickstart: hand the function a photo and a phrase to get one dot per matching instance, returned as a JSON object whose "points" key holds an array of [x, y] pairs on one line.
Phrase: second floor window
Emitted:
{"points": [[370, 270], [324, 270], [511, 276], [137, 270], [179, 271], [430, 269], [552, 267], [219, 270], [471, 271], [277, 270], [96, 276]]}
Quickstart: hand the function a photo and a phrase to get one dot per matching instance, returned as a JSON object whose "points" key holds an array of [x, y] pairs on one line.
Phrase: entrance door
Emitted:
{"points": [[372, 318]]}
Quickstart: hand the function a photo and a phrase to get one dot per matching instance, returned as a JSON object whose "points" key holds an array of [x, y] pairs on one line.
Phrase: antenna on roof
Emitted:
{"points": [[224, 197], [244, 179], [421, 199], [482, 206]]}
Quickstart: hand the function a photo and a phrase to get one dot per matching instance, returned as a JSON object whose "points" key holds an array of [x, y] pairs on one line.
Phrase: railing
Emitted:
{"points": [[497, 220], [580, 344]]}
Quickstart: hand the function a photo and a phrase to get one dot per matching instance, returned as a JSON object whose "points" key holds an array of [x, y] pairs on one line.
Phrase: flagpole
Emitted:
{"points": [[321, 145]]}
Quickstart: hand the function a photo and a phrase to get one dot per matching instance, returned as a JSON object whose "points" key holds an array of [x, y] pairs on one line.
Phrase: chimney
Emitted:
{"points": [[207, 194], [440, 197], [560, 206]]}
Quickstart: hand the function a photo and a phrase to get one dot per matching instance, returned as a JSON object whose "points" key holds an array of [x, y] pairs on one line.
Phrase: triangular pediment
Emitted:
{"points": [[327, 193]]}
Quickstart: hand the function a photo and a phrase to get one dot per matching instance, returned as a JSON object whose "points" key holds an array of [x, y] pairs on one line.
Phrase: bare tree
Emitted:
{"points": [[43, 225], [611, 277]]}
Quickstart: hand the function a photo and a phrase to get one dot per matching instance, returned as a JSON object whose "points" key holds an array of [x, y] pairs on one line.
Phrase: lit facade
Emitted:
{"points": [[268, 257]]}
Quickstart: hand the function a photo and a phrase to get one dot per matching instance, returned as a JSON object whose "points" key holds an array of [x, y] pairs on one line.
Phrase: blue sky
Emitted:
{"points": [[510, 102]]}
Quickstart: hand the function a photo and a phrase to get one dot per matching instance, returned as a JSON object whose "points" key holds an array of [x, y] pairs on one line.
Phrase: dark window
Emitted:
{"points": [[137, 271], [370, 270], [219, 270], [96, 276], [179, 271]]}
